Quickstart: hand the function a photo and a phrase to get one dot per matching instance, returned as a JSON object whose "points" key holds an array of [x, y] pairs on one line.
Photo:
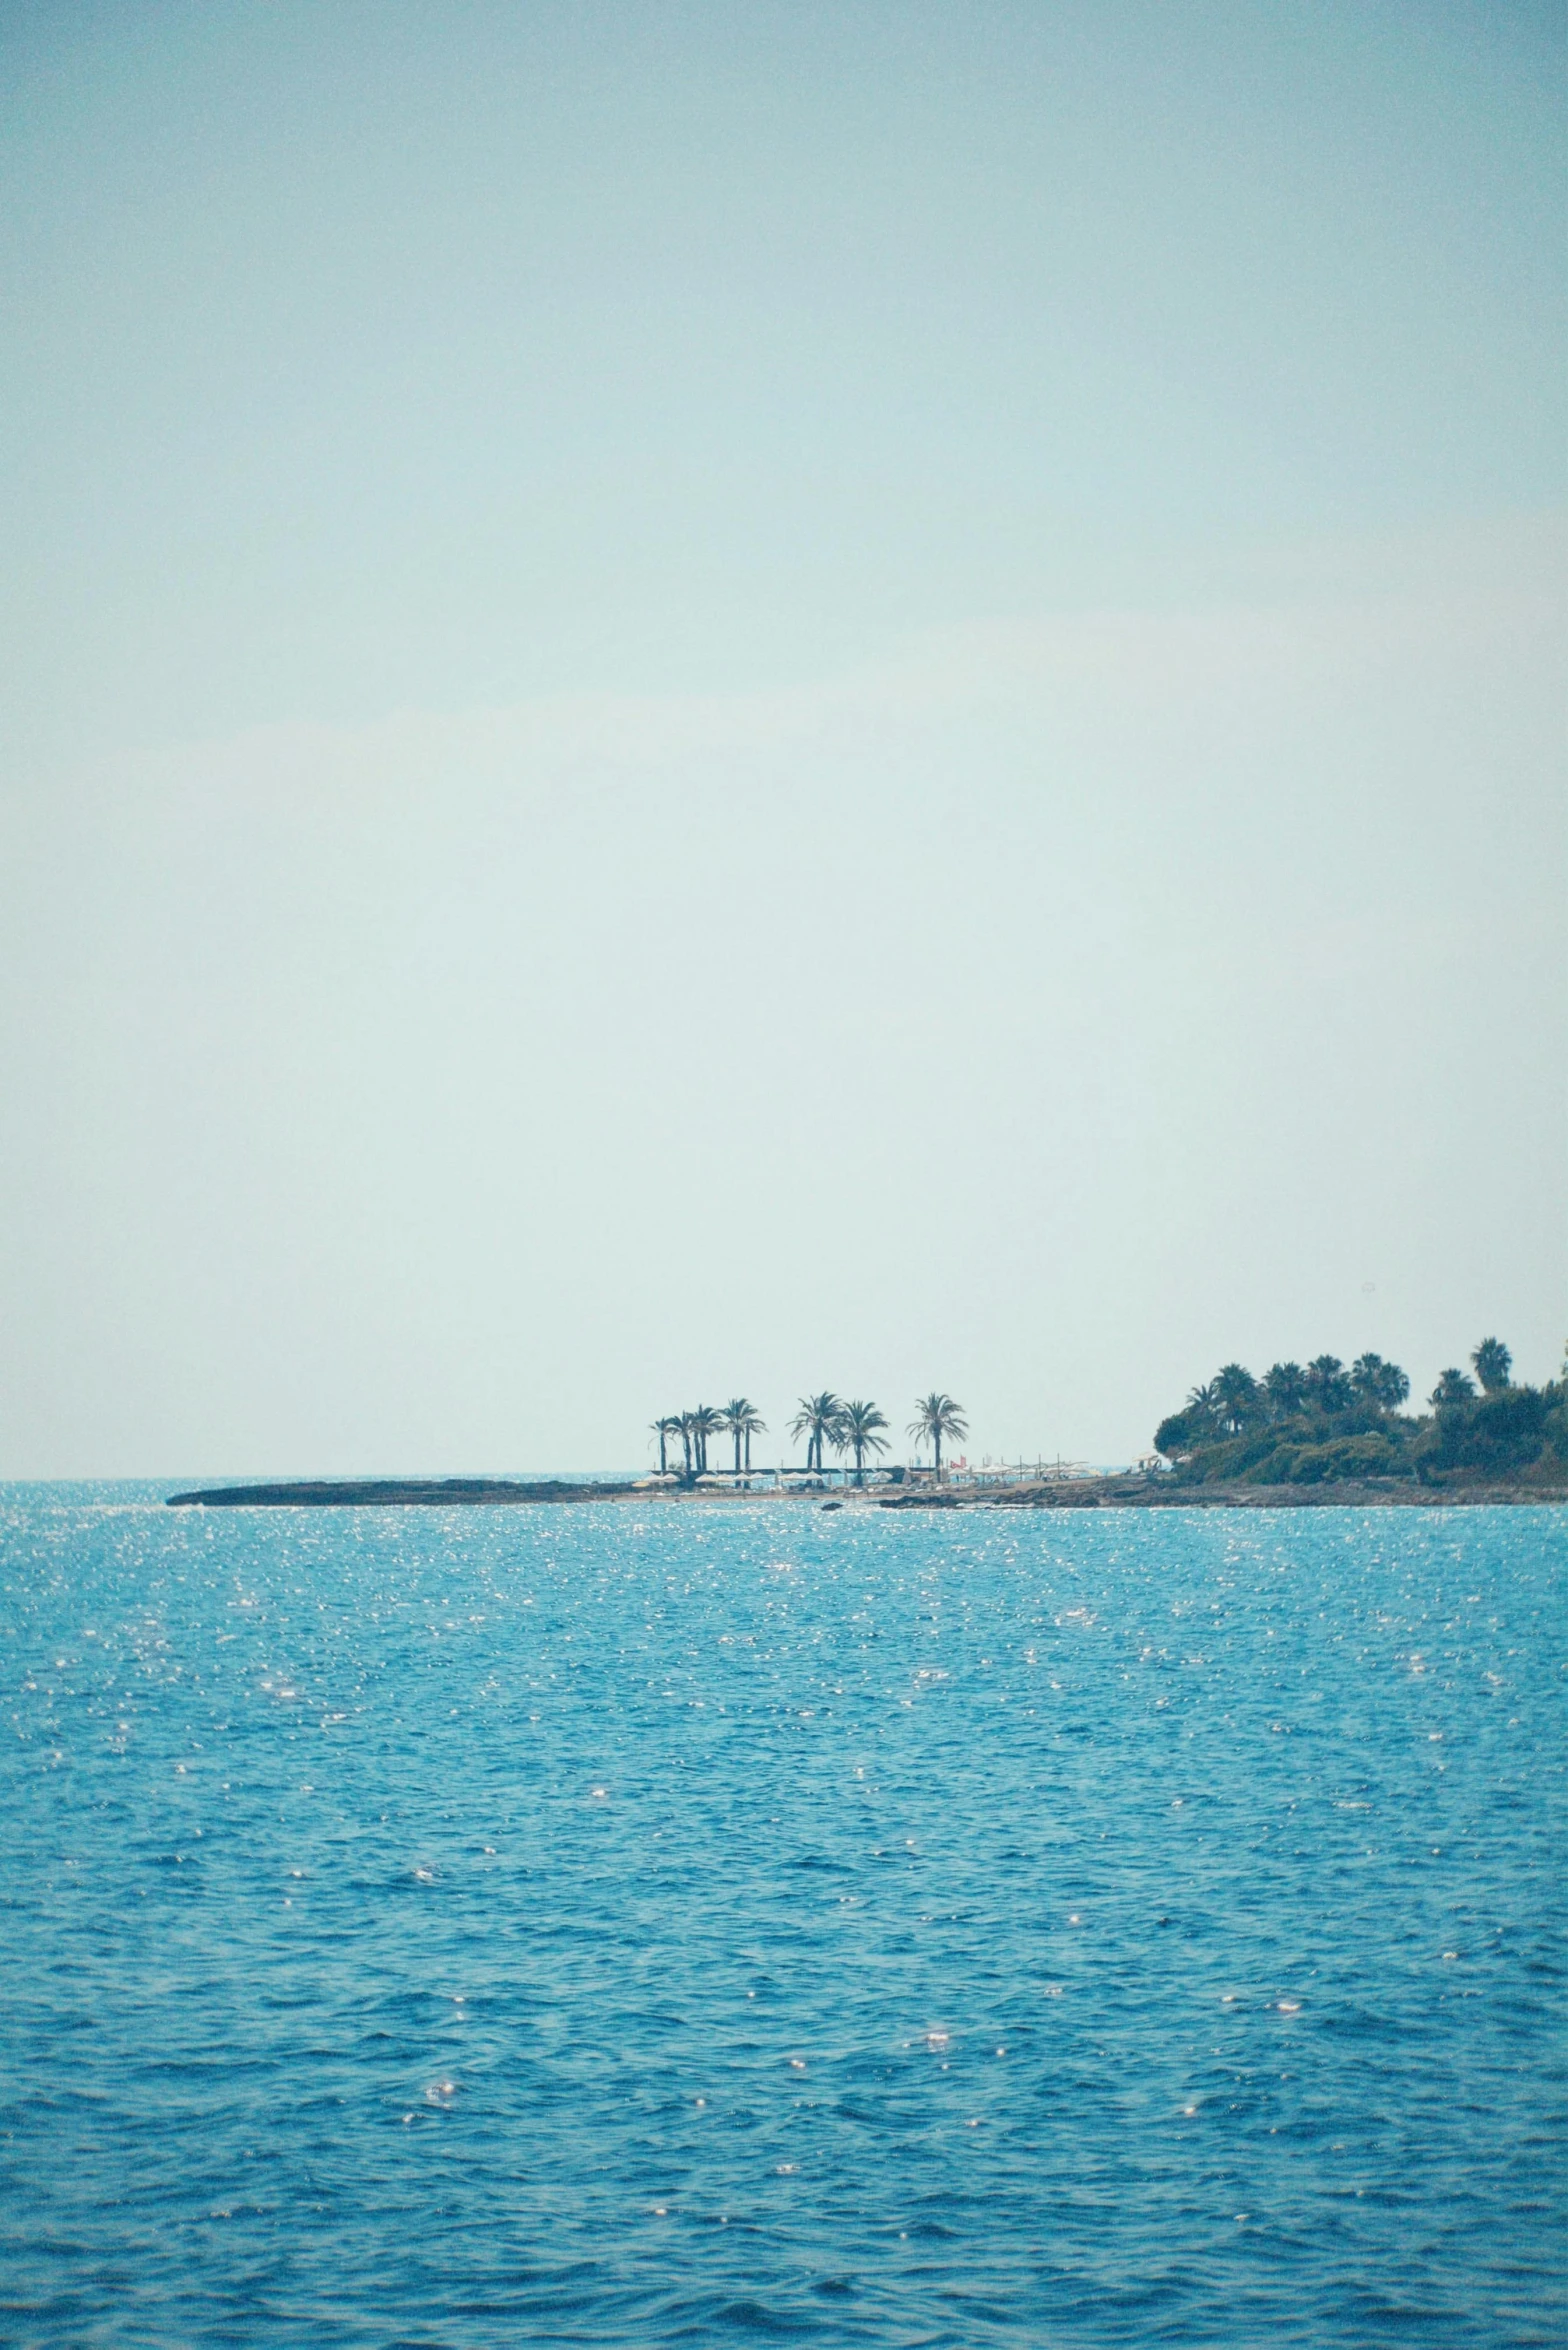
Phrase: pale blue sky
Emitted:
{"points": [[710, 698]]}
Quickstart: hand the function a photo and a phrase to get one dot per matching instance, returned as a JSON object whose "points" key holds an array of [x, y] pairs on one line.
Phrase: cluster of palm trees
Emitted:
{"points": [[828, 1423], [739, 1418], [826, 1420], [1368, 1397], [1233, 1400], [1493, 1366]]}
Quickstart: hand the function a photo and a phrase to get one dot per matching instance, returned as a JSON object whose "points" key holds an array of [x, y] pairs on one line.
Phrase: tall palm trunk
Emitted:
{"points": [[737, 1452], [748, 1452], [939, 1456], [663, 1463]]}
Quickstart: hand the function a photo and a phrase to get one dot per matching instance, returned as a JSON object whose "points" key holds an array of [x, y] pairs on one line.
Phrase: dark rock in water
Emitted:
{"points": [[832, 1505]]}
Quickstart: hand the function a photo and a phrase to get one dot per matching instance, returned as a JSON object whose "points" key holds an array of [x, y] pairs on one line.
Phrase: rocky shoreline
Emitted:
{"points": [[1087, 1493], [1145, 1493]]}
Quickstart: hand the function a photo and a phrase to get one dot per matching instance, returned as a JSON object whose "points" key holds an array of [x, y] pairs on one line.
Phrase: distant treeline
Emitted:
{"points": [[1310, 1424]]}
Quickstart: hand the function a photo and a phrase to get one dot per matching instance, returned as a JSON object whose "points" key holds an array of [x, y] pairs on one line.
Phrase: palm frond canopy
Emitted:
{"points": [[819, 1419], [743, 1420], [816, 1413], [938, 1415], [1377, 1382], [1328, 1383], [1286, 1387], [859, 1422], [667, 1425], [1237, 1392]]}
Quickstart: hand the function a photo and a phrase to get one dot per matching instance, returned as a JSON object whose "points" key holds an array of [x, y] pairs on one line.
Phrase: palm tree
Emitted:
{"points": [[1237, 1394], [1493, 1364], [818, 1421], [1204, 1402], [1285, 1385], [664, 1429], [1380, 1383], [688, 1446], [743, 1420], [937, 1416], [859, 1427], [1327, 1384], [705, 1422], [1453, 1387]]}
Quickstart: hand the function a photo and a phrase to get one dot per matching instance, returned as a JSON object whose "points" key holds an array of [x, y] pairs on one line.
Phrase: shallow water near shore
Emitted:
{"points": [[602, 1926]]}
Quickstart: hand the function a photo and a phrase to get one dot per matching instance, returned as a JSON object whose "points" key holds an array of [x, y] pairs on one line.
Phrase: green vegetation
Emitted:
{"points": [[1322, 1423]]}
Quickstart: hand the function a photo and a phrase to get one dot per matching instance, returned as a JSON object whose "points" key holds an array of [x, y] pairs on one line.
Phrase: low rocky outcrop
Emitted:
{"points": [[392, 1492]]}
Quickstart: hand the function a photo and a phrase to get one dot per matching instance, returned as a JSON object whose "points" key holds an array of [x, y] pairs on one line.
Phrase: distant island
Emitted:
{"points": [[1310, 1436]]}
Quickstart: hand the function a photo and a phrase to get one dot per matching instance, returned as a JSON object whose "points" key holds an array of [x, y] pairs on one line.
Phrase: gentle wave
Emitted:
{"points": [[609, 1925]]}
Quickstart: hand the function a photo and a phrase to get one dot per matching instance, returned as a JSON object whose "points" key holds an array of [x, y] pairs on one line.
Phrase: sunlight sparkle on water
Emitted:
{"points": [[951, 1969]]}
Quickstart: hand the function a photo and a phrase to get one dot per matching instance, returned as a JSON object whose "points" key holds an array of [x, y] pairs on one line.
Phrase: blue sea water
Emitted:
{"points": [[725, 1924]]}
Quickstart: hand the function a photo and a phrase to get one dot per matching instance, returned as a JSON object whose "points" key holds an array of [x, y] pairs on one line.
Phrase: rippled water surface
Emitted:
{"points": [[724, 1923]]}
